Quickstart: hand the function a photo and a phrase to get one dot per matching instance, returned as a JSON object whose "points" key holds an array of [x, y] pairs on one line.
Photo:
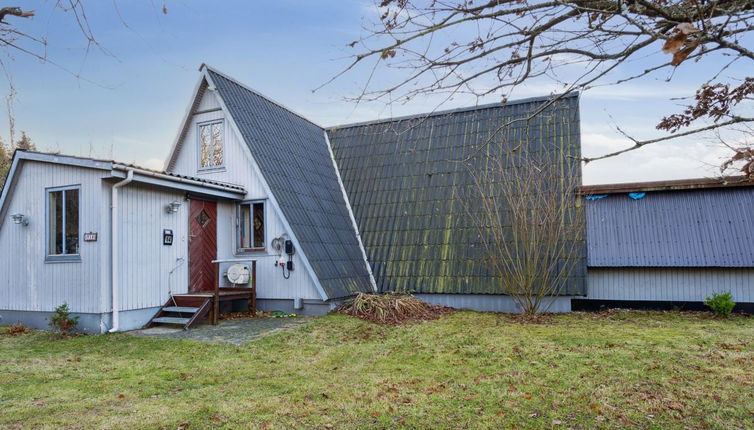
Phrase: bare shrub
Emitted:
{"points": [[530, 224]]}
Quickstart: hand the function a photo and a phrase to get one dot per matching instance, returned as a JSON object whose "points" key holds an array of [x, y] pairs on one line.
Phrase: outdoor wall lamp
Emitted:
{"points": [[172, 207], [20, 219]]}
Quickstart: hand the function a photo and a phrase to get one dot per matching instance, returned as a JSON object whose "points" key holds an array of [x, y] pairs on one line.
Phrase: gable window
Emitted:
{"points": [[63, 223], [251, 226], [211, 145]]}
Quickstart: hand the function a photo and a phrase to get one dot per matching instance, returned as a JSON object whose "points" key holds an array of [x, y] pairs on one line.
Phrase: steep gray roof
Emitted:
{"points": [[688, 228], [294, 158], [406, 184]]}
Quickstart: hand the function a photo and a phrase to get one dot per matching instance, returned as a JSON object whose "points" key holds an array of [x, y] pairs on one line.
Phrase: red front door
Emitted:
{"points": [[202, 245]]}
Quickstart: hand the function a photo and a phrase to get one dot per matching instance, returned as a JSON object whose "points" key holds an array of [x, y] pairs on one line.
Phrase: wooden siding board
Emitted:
{"points": [[27, 282]]}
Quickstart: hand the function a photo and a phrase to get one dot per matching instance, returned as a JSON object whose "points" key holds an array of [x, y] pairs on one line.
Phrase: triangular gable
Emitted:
{"points": [[293, 157]]}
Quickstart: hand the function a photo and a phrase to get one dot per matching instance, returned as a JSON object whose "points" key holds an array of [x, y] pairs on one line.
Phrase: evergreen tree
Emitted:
{"points": [[25, 143]]}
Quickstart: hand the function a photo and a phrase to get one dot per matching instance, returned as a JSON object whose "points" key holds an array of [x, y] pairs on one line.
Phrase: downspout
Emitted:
{"points": [[115, 248]]}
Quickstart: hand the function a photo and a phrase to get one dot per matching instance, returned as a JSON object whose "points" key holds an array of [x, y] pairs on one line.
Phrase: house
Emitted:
{"points": [[116, 242], [259, 205], [669, 244]]}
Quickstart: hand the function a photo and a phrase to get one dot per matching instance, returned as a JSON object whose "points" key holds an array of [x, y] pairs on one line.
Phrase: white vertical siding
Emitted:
{"points": [[238, 170], [669, 284], [27, 282], [145, 263]]}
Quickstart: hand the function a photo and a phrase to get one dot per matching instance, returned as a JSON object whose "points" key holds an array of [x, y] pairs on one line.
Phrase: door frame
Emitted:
{"points": [[189, 220]]}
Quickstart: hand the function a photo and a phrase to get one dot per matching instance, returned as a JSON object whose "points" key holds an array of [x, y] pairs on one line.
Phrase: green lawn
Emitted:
{"points": [[466, 370]]}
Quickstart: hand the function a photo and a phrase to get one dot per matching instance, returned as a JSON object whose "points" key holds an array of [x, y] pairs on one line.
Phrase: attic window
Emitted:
{"points": [[211, 145], [251, 226]]}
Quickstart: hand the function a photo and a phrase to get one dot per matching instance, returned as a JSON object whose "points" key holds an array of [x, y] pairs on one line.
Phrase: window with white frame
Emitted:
{"points": [[211, 145], [63, 222], [251, 226]]}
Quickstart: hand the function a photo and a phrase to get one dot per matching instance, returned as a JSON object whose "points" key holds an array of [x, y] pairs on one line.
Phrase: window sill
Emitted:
{"points": [[250, 251], [63, 259], [204, 170]]}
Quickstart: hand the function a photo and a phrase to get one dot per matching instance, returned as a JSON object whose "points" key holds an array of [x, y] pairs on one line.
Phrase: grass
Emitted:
{"points": [[464, 370]]}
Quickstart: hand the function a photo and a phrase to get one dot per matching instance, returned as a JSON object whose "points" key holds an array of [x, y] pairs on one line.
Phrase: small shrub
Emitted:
{"points": [[722, 304], [18, 329], [62, 322], [391, 308]]}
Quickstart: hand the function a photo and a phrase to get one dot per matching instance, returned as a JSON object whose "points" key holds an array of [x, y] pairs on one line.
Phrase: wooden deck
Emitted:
{"points": [[223, 294]]}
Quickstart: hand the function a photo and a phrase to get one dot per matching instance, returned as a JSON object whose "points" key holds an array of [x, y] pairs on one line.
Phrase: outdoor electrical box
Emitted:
{"points": [[167, 237], [289, 249]]}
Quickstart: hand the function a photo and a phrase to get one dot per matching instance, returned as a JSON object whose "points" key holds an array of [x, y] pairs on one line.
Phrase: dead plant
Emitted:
{"points": [[391, 308]]}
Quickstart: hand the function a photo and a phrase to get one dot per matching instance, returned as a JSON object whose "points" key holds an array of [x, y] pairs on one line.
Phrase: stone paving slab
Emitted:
{"points": [[236, 331]]}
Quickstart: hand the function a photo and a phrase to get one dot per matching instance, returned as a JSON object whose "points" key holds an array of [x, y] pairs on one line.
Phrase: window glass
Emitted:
{"points": [[71, 222], [251, 226], [63, 220], [56, 222], [211, 145], [258, 225], [245, 230]]}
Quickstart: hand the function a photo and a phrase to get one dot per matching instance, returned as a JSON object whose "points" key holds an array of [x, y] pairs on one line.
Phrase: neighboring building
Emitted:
{"points": [[669, 244]]}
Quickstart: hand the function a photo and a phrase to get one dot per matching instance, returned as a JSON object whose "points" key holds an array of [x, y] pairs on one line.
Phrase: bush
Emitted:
{"points": [[722, 304], [18, 329], [391, 308], [61, 320]]}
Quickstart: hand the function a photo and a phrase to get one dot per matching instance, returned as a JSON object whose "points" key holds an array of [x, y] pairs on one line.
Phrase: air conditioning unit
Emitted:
{"points": [[238, 274]]}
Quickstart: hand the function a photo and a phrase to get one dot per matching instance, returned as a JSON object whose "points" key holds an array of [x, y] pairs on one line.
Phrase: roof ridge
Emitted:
{"points": [[455, 110], [259, 94]]}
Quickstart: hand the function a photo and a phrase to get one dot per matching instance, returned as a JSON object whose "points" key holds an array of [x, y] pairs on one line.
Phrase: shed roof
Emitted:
{"points": [[669, 185], [406, 185], [294, 158], [683, 228]]}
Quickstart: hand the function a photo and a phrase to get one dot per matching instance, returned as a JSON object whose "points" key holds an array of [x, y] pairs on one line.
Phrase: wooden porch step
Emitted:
{"points": [[172, 320], [181, 309]]}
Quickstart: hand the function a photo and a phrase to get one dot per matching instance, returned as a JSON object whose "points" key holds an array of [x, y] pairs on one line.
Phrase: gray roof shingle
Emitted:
{"points": [[294, 159], [406, 187]]}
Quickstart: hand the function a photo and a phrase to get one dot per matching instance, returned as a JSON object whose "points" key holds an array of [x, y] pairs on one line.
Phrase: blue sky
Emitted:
{"points": [[133, 97]]}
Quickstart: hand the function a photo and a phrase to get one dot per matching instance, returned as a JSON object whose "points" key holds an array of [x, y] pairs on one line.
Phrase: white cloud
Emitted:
{"points": [[660, 161]]}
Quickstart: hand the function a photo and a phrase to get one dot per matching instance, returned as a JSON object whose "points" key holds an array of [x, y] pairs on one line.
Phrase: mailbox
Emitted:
{"points": [[167, 237]]}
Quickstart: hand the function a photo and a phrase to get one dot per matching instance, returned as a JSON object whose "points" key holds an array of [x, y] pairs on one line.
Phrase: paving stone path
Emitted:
{"points": [[236, 331]]}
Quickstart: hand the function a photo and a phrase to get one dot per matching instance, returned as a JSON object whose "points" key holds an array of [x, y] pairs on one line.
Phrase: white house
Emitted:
{"points": [[318, 215], [116, 242]]}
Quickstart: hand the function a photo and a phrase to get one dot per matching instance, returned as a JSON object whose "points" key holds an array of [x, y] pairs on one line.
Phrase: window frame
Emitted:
{"points": [[61, 258], [199, 126], [239, 249]]}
